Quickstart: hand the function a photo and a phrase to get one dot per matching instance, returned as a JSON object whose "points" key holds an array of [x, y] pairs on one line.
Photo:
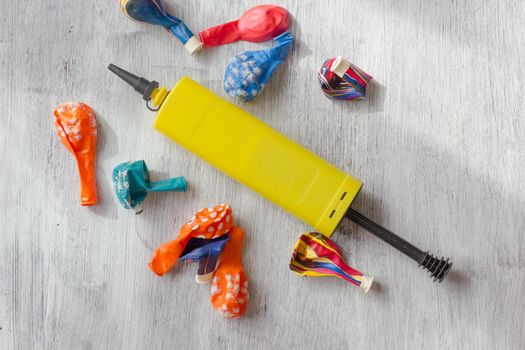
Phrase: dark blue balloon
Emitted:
{"points": [[207, 252], [152, 12]]}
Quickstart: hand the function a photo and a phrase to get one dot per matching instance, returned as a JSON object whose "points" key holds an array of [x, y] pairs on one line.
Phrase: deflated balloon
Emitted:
{"points": [[258, 24], [249, 72], [76, 126]]}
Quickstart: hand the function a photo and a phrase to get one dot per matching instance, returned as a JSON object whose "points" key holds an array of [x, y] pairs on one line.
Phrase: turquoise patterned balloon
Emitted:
{"points": [[249, 72], [131, 183]]}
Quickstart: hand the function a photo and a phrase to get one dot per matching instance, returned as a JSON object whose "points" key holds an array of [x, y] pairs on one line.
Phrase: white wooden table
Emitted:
{"points": [[440, 146]]}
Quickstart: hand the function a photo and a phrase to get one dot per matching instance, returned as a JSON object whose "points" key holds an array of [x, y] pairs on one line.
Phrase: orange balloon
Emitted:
{"points": [[76, 126], [207, 223], [229, 288]]}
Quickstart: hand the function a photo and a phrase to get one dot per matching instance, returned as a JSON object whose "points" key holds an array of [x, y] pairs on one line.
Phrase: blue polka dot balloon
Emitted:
{"points": [[249, 71]]}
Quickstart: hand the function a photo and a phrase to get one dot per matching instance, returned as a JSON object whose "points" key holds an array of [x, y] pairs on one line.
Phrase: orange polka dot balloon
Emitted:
{"points": [[206, 223], [210, 222], [229, 289]]}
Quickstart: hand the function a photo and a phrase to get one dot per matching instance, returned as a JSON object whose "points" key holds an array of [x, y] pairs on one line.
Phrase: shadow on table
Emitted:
{"points": [[107, 147], [469, 218]]}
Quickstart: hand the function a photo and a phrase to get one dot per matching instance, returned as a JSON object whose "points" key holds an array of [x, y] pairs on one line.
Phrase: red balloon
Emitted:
{"points": [[258, 24]]}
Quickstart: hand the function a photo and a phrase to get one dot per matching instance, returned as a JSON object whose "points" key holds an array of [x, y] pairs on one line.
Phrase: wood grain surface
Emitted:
{"points": [[440, 146]]}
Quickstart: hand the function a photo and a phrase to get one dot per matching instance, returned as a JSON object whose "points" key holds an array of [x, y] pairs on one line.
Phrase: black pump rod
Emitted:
{"points": [[438, 268]]}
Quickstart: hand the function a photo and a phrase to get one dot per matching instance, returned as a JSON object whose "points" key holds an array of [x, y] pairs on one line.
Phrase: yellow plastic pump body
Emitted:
{"points": [[256, 155]]}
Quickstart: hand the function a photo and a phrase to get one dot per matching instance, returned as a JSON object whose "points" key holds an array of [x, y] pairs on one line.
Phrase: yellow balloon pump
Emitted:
{"points": [[263, 159]]}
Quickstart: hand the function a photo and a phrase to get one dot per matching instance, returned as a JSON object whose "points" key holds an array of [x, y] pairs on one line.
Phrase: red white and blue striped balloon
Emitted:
{"points": [[350, 86]]}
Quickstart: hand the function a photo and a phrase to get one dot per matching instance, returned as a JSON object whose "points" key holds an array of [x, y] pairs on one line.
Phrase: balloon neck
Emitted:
{"points": [[176, 184], [340, 66], [222, 34], [149, 90], [282, 48], [232, 256], [86, 172]]}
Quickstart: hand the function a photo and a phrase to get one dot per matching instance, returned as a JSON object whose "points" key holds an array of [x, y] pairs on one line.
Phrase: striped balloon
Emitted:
{"points": [[316, 255], [342, 80]]}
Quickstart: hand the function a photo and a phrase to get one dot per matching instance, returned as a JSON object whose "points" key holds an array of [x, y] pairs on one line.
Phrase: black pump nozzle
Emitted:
{"points": [[141, 85]]}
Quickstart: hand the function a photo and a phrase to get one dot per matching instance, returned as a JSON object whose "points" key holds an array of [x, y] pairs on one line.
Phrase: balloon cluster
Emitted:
{"points": [[258, 24], [249, 71], [210, 238]]}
